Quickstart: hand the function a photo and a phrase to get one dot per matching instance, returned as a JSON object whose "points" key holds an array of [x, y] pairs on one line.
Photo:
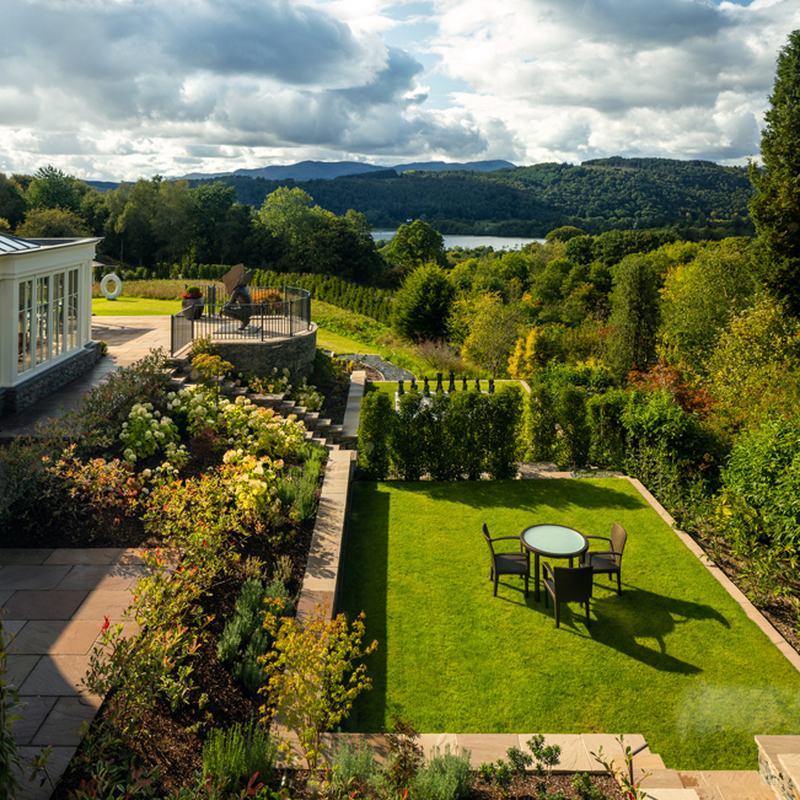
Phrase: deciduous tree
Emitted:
{"points": [[414, 245], [314, 674]]}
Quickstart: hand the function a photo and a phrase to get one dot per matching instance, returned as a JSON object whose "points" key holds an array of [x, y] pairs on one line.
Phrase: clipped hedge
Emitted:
{"points": [[462, 436]]}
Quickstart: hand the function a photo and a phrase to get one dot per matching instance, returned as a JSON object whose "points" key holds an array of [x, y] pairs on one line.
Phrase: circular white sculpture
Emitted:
{"points": [[111, 294]]}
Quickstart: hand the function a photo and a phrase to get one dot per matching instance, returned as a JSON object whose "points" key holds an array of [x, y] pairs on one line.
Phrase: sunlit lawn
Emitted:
{"points": [[126, 306], [673, 658]]}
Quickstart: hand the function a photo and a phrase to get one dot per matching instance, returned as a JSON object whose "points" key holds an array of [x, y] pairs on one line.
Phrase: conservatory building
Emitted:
{"points": [[45, 317]]}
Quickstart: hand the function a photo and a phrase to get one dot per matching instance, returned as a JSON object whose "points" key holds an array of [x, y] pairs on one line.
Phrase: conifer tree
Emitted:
{"points": [[775, 208]]}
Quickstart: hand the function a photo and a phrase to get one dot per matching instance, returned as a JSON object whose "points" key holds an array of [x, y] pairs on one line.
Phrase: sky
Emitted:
{"points": [[123, 89]]}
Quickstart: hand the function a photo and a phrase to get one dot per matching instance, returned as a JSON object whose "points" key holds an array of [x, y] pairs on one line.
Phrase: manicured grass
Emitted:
{"points": [[126, 306], [340, 345], [673, 658]]}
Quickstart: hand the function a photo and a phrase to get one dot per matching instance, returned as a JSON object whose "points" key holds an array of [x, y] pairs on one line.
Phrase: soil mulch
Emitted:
{"points": [[780, 612]]}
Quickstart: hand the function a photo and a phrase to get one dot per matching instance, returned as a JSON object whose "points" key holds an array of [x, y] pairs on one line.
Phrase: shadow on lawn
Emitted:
{"points": [[362, 589], [554, 492], [620, 622]]}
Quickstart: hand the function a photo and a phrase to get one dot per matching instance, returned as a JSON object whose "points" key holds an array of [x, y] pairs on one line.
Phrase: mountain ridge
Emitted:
{"points": [[328, 170]]}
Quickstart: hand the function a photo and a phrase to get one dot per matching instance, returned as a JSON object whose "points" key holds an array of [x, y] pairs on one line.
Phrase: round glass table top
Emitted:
{"points": [[556, 541]]}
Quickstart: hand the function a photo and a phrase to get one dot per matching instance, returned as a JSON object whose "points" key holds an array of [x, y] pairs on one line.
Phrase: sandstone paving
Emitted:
{"points": [[102, 576], [34, 711], [18, 668], [55, 604], [102, 603], [21, 555], [64, 721], [56, 637], [56, 675], [92, 555], [60, 756], [32, 576]]}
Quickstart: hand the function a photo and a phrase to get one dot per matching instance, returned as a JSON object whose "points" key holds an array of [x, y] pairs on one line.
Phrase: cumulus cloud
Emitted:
{"points": [[120, 88], [581, 78]]}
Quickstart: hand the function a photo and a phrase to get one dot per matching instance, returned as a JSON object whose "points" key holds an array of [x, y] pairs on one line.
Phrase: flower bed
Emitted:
{"points": [[233, 488]]}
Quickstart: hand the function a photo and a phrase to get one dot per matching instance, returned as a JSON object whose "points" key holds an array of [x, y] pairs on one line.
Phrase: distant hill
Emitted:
{"points": [[597, 195], [328, 170]]}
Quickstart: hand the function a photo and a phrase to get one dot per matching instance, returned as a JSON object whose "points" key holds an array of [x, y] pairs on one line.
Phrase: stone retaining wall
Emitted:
{"points": [[16, 398], [261, 357]]}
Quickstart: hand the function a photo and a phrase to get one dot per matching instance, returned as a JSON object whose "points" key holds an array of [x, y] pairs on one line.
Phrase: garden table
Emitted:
{"points": [[552, 541]]}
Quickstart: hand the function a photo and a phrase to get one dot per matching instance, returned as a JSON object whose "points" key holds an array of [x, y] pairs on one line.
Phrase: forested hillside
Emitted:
{"points": [[530, 201]]}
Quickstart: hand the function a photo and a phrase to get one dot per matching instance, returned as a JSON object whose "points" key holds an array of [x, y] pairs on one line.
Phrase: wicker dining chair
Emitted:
{"points": [[568, 585], [508, 563], [608, 561]]}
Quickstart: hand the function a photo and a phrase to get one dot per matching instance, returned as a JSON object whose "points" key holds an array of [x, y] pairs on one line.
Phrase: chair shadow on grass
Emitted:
{"points": [[622, 621]]}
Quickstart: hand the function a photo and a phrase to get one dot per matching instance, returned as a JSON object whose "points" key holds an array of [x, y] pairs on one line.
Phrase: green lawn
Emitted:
{"points": [[125, 306], [673, 658]]}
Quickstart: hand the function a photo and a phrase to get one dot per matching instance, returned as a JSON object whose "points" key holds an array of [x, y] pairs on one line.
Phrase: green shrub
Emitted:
{"points": [[407, 445], [465, 425], [423, 304], [298, 491], [760, 502], [244, 639], [501, 432], [232, 756], [438, 452], [540, 423], [576, 433], [446, 776], [353, 769], [375, 434], [607, 432]]}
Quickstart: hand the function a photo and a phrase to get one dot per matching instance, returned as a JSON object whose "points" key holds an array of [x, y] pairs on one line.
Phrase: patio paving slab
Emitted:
{"points": [[56, 637], [102, 576], [54, 604], [63, 723], [19, 555], [34, 710], [56, 675], [32, 576], [86, 555], [103, 602], [60, 756], [18, 668]]}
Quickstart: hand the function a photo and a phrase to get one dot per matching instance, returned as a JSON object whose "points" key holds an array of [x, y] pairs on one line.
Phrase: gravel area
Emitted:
{"points": [[389, 371]]}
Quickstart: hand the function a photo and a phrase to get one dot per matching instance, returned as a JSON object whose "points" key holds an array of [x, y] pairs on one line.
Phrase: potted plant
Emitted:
{"points": [[192, 302]]}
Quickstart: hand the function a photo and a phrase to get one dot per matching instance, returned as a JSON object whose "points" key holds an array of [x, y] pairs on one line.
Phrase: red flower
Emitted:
{"points": [[105, 624]]}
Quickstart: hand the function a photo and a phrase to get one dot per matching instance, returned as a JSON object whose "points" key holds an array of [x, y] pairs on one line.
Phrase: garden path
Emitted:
{"points": [[56, 601], [56, 604]]}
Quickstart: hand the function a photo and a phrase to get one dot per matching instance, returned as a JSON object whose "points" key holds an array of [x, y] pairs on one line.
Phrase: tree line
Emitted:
{"points": [[158, 227], [700, 198]]}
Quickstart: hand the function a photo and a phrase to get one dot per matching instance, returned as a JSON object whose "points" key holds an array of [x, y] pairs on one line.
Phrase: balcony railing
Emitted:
{"points": [[222, 320]]}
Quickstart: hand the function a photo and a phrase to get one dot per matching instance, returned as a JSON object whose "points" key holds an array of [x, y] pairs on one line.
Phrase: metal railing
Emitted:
{"points": [[221, 320]]}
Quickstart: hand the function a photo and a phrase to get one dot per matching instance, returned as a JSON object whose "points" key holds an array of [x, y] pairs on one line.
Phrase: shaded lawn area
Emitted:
{"points": [[673, 658]]}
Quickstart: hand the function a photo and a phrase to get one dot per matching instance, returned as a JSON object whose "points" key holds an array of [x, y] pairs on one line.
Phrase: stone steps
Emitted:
{"points": [[779, 764], [319, 430]]}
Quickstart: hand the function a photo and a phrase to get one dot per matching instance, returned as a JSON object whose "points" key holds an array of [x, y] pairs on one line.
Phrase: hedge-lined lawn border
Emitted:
{"points": [[675, 657]]}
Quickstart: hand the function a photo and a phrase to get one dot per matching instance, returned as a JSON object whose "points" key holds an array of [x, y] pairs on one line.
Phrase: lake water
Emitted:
{"points": [[468, 242]]}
